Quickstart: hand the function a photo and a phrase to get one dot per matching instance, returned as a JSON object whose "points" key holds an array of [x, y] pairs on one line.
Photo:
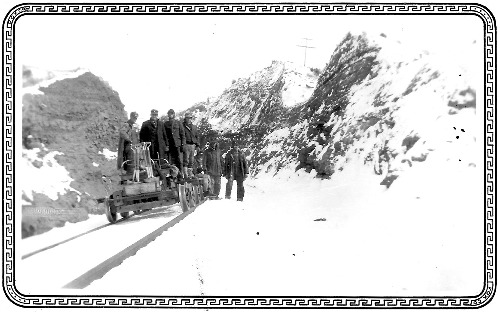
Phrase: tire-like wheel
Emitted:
{"points": [[190, 195], [194, 200], [110, 215], [124, 214], [182, 197], [202, 195], [196, 195]]}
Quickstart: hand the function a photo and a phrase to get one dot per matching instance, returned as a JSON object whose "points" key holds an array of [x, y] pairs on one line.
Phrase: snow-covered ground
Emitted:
{"points": [[296, 235]]}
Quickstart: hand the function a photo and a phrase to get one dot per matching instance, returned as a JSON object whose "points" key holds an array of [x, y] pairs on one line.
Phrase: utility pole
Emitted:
{"points": [[305, 49]]}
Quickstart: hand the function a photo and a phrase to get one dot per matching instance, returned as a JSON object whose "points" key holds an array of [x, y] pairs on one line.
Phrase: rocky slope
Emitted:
{"points": [[69, 119], [251, 106], [375, 101]]}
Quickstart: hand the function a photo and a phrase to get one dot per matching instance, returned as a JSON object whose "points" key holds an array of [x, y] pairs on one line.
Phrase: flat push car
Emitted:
{"points": [[152, 184]]}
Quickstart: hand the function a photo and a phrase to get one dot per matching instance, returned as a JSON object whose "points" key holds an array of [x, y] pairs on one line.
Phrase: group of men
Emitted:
{"points": [[178, 143]]}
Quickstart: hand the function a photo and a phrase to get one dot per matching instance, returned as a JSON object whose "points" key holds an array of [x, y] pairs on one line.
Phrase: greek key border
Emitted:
{"points": [[474, 301]]}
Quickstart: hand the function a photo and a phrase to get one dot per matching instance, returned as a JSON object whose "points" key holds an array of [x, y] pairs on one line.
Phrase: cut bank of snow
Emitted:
{"points": [[275, 140], [296, 91], [50, 179], [108, 154]]}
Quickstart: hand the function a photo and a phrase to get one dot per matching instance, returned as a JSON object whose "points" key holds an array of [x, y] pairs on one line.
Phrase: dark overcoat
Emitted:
{"points": [[235, 165], [127, 135], [156, 135], [191, 133], [212, 162], [175, 133]]}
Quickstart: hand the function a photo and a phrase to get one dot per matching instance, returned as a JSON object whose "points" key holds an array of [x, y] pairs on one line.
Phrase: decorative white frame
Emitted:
{"points": [[8, 163]]}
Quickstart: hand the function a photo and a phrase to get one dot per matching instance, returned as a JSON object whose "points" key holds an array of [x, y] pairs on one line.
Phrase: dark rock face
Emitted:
{"points": [[78, 117], [254, 108], [351, 62], [83, 109], [358, 108]]}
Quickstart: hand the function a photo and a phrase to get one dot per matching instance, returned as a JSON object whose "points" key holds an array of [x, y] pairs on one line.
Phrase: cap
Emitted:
{"points": [[171, 111], [134, 114], [154, 111]]}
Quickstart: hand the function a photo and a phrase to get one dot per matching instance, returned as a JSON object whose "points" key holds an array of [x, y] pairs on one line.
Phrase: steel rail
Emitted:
{"points": [[104, 267], [65, 241], [76, 236]]}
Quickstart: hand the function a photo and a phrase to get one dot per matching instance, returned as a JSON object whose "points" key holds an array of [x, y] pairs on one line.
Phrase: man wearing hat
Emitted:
{"points": [[212, 164], [235, 168], [191, 133], [176, 139], [153, 131], [128, 136]]}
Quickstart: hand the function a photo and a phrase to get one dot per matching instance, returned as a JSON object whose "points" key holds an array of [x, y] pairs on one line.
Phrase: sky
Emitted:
{"points": [[174, 62]]}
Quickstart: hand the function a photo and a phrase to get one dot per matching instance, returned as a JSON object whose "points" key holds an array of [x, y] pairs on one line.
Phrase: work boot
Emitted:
{"points": [[228, 197], [239, 199]]}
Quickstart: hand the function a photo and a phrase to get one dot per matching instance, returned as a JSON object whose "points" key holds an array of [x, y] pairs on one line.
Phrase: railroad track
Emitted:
{"points": [[70, 239], [104, 267], [98, 250]]}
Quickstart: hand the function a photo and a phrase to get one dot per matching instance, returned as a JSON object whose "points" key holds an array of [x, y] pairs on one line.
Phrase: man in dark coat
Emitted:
{"points": [[153, 131], [213, 166], [176, 139], [235, 168], [128, 136], [192, 143]]}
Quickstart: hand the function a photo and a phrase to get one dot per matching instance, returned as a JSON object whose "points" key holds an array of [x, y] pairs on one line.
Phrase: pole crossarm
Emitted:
{"points": [[305, 49]]}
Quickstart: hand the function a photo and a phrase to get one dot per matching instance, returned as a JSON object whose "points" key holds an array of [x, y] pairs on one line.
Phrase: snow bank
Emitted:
{"points": [[46, 175], [108, 154], [299, 84]]}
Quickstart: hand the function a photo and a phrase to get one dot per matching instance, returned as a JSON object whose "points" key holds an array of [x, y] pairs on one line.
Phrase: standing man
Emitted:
{"points": [[235, 168], [213, 166], [176, 139], [192, 143], [153, 131], [128, 136]]}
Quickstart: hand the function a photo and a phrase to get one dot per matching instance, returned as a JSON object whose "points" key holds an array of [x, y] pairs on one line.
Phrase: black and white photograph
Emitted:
{"points": [[249, 155]]}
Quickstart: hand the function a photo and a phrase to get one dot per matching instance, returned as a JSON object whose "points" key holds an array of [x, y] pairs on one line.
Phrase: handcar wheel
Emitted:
{"points": [[189, 195], [196, 195], [124, 214], [202, 195], [109, 214], [182, 197], [192, 197]]}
